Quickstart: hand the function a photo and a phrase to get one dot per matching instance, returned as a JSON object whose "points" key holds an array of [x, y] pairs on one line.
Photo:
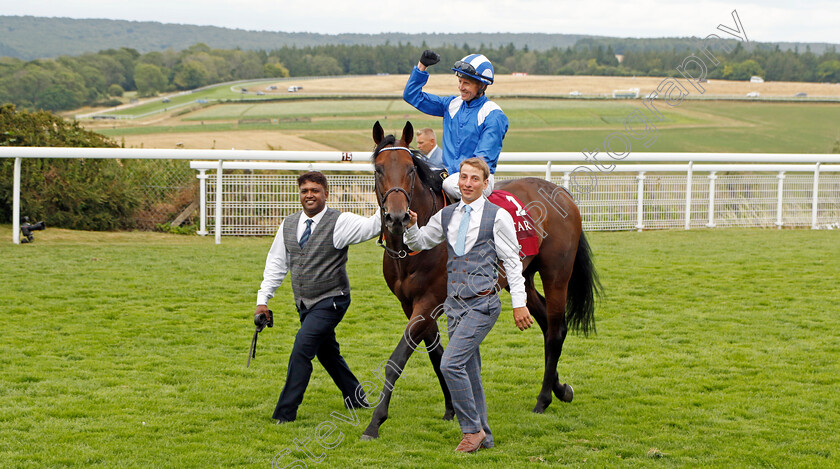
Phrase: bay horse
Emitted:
{"points": [[564, 262]]}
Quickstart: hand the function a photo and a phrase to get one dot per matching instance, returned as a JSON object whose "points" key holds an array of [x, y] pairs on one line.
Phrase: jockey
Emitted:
{"points": [[472, 124]]}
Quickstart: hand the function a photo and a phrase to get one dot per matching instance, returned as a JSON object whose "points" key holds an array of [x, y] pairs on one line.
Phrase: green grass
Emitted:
{"points": [[214, 93], [298, 108], [715, 348]]}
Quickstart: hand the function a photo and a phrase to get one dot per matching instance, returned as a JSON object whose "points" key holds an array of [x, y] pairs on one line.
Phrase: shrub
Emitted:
{"points": [[182, 230], [115, 90], [69, 193]]}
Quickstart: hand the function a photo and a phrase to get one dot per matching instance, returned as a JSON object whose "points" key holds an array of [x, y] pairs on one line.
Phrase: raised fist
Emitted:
{"points": [[429, 57]]}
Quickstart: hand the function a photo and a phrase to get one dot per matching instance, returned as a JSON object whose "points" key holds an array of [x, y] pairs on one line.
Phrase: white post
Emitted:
{"points": [[219, 203], [567, 176], [548, 171], [712, 178], [16, 204], [814, 199], [203, 201], [688, 190], [781, 177], [640, 207]]}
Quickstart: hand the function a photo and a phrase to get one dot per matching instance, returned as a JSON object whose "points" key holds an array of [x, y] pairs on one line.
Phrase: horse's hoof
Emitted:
{"points": [[449, 414], [540, 408], [368, 437], [564, 392], [568, 393]]}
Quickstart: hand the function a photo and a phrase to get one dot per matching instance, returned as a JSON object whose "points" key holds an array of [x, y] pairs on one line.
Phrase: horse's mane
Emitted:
{"points": [[428, 176]]}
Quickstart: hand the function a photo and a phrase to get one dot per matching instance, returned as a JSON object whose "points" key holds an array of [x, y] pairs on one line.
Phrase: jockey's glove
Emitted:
{"points": [[429, 57]]}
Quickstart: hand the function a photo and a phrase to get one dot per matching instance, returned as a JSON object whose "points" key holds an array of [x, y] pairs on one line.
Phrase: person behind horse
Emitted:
{"points": [[473, 126], [478, 235], [427, 143], [312, 244]]}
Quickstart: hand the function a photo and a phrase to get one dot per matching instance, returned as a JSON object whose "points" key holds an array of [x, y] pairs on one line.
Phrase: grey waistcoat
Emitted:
{"points": [[319, 269], [474, 273]]}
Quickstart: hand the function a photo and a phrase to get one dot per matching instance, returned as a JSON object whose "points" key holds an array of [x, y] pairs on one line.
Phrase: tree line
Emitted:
{"points": [[69, 82]]}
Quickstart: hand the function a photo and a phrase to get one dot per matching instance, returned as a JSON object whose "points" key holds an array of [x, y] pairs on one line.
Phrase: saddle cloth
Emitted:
{"points": [[526, 235]]}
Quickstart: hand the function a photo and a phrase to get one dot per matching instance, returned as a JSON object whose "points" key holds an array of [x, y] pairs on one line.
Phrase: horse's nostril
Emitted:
{"points": [[406, 218]]}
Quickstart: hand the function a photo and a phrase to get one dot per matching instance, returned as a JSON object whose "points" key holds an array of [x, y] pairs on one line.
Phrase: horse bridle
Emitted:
{"points": [[407, 195], [402, 253]]}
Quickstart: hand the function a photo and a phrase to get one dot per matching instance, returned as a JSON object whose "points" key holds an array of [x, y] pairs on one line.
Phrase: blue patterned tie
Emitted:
{"points": [[306, 233], [461, 241]]}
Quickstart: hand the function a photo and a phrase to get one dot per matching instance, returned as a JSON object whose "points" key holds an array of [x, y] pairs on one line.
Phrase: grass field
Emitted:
{"points": [[715, 348], [442, 83], [535, 125], [212, 93], [314, 119]]}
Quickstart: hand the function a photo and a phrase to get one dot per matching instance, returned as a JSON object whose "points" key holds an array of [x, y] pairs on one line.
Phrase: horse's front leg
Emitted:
{"points": [[418, 329], [393, 369]]}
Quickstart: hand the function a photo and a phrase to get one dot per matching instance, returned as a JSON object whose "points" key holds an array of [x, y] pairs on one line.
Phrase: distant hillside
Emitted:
{"points": [[29, 37]]}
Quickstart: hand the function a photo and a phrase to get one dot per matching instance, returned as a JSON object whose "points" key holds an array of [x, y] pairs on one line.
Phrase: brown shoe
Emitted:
{"points": [[471, 442]]}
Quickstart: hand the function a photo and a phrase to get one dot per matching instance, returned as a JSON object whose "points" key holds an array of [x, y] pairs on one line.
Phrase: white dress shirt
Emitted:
{"points": [[349, 229], [504, 234]]}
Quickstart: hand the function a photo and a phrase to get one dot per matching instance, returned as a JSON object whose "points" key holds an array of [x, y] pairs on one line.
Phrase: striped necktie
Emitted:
{"points": [[306, 233], [461, 241]]}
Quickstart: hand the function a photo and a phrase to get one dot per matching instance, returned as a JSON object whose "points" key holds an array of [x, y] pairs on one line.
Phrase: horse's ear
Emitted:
{"points": [[408, 133], [378, 133]]}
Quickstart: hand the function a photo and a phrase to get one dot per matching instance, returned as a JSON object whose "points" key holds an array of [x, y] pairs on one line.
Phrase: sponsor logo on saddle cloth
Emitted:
{"points": [[526, 235]]}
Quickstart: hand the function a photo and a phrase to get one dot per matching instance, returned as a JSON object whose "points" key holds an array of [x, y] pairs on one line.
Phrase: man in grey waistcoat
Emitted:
{"points": [[478, 235], [312, 245]]}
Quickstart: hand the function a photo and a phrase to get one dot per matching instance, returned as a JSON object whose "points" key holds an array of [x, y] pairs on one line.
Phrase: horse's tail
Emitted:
{"points": [[583, 287]]}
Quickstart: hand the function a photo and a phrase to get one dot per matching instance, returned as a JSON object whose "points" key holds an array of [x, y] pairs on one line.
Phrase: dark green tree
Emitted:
{"points": [[150, 79], [189, 75], [69, 193]]}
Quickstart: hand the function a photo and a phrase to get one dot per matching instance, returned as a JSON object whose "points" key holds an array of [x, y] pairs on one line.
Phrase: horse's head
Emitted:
{"points": [[395, 175]]}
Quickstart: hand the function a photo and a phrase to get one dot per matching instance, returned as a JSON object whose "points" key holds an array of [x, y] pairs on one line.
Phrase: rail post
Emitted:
{"points": [[712, 177], [781, 189], [202, 177], [219, 203], [688, 188], [16, 204], [815, 197], [641, 198]]}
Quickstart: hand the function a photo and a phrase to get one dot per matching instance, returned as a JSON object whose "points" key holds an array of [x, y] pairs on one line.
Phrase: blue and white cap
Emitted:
{"points": [[475, 66]]}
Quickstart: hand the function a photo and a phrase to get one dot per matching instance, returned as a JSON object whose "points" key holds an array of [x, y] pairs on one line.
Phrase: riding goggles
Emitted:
{"points": [[465, 67]]}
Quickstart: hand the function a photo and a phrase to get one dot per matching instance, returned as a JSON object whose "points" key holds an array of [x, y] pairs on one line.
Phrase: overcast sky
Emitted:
{"points": [[763, 20]]}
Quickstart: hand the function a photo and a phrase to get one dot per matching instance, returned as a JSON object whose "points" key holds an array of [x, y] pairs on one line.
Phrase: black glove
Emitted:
{"points": [[429, 57]]}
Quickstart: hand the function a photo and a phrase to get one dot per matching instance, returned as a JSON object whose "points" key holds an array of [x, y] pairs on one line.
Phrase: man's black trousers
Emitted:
{"points": [[316, 338]]}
